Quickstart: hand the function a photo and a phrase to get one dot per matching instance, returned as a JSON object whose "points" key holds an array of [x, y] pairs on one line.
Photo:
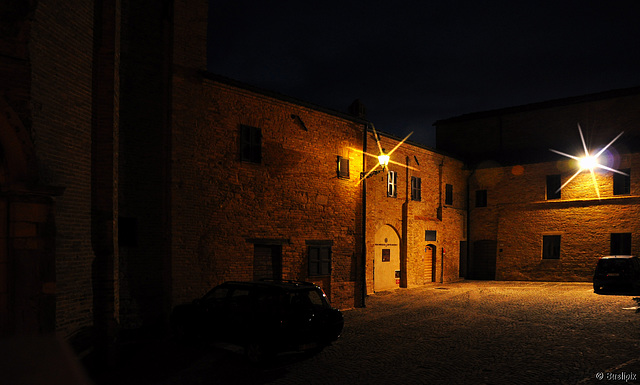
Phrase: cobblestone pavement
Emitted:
{"points": [[459, 333]]}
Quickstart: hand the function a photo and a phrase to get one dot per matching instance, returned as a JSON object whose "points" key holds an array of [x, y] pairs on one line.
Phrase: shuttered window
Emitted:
{"points": [[392, 184], [416, 188], [319, 260], [343, 168], [250, 144]]}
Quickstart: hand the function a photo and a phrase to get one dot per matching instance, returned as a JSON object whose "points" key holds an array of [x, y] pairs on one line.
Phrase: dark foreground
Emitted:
{"points": [[461, 333]]}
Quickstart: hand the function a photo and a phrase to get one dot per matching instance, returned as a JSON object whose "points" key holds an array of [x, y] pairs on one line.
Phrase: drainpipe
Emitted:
{"points": [[363, 272], [405, 230]]}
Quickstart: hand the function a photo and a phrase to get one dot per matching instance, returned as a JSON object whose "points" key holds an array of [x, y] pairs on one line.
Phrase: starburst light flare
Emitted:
{"points": [[384, 158], [588, 161]]}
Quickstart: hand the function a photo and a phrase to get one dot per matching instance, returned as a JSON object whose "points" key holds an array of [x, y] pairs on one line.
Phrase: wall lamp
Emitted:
{"points": [[383, 160]]}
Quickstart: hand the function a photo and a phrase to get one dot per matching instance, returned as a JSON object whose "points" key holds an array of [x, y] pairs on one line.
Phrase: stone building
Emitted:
{"points": [[133, 180], [521, 226]]}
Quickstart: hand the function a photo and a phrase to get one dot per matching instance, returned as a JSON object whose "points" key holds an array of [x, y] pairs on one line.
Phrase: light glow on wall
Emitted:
{"points": [[589, 162], [383, 158]]}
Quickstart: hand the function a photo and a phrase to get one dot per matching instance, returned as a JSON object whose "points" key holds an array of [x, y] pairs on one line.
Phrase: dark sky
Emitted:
{"points": [[414, 62]]}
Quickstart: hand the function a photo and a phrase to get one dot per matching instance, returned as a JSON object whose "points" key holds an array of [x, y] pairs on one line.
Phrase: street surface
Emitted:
{"points": [[478, 332]]}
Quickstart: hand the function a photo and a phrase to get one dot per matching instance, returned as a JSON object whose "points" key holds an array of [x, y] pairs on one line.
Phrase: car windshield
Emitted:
{"points": [[314, 298]]}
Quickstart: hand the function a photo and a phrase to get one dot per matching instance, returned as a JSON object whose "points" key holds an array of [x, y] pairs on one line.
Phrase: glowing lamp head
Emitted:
{"points": [[383, 159], [588, 162]]}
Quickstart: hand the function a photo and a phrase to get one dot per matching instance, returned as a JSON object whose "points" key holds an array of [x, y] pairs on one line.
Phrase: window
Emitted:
{"points": [[416, 188], [430, 235], [481, 198], [551, 247], [392, 184], [343, 168], [622, 183], [621, 244], [553, 186], [448, 195], [319, 260], [250, 144]]}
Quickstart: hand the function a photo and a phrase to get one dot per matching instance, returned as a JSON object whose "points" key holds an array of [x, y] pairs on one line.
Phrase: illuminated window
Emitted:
{"points": [[416, 188], [553, 186], [481, 198], [343, 168], [250, 144], [319, 259], [448, 195], [551, 247], [622, 183], [392, 184], [620, 243]]}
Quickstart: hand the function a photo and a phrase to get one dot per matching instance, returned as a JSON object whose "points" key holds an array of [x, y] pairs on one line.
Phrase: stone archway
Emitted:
{"points": [[386, 263]]}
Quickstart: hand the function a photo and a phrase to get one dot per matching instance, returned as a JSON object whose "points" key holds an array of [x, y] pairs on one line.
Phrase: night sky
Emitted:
{"points": [[414, 62]]}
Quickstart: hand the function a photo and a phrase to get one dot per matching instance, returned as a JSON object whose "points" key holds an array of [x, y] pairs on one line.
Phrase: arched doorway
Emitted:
{"points": [[386, 263]]}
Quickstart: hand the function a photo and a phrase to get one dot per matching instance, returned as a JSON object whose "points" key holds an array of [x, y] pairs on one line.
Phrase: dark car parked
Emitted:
{"points": [[265, 317], [620, 272]]}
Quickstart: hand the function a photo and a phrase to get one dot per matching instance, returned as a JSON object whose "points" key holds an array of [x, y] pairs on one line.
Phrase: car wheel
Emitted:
{"points": [[257, 352]]}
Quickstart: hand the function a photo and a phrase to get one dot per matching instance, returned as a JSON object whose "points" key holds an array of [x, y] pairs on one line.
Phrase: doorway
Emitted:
{"points": [[386, 263]]}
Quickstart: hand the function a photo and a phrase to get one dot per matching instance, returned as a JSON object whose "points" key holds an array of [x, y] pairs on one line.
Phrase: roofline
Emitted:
{"points": [[621, 92], [285, 98]]}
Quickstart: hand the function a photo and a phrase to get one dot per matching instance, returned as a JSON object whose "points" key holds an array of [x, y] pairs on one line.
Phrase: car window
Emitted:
{"points": [[240, 300], [613, 265], [216, 296], [317, 298]]}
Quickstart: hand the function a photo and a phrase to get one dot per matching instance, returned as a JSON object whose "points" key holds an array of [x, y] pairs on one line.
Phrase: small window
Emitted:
{"points": [[386, 255], [553, 186], [251, 144], [622, 183], [448, 196], [416, 188], [481, 198], [392, 184], [319, 260], [430, 235], [551, 247], [343, 168], [621, 244]]}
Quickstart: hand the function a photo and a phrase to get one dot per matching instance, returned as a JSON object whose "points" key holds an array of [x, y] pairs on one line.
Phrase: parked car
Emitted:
{"points": [[264, 317], [617, 272]]}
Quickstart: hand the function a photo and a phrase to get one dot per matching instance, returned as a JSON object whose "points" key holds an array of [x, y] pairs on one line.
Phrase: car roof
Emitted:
{"points": [[265, 283]]}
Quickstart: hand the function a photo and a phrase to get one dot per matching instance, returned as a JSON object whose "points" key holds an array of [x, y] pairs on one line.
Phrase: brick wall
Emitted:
{"points": [[429, 214], [518, 214], [61, 48], [222, 206]]}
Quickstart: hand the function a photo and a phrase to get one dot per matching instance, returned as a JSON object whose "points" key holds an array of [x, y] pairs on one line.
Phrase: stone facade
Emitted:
{"points": [[224, 207], [422, 258], [507, 235]]}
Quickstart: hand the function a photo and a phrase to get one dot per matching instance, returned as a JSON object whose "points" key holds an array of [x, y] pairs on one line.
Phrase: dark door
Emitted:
{"points": [[484, 259]]}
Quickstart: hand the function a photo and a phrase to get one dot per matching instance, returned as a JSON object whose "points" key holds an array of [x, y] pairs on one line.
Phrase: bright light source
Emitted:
{"points": [[588, 162], [383, 159]]}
